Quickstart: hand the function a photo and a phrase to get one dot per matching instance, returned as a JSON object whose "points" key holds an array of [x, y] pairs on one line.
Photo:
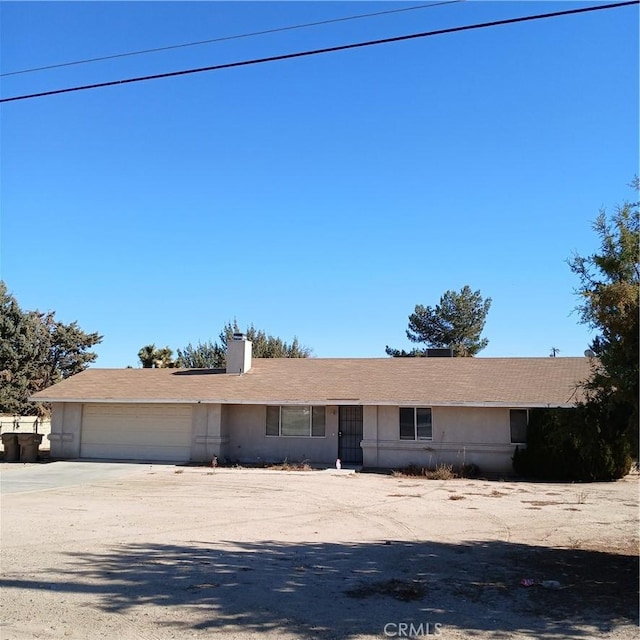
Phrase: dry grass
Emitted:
{"points": [[285, 465], [441, 472], [291, 466]]}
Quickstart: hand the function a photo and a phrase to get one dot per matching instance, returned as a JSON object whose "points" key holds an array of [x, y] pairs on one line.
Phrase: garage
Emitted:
{"points": [[136, 432]]}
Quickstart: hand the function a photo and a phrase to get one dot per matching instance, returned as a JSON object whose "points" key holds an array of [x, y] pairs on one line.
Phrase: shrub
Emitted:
{"points": [[469, 471], [441, 472], [585, 443]]}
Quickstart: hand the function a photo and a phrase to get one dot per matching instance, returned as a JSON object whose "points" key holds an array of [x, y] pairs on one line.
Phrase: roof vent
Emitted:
{"points": [[440, 353]]}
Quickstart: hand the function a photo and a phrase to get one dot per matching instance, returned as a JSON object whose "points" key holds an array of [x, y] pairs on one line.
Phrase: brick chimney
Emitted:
{"points": [[238, 354]]}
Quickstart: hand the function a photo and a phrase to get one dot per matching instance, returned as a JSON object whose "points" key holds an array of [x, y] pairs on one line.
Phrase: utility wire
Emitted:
{"points": [[224, 38], [344, 47]]}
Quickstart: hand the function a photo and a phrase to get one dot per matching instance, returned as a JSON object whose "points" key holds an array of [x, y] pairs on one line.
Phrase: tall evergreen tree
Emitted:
{"points": [[204, 355], [609, 289], [597, 439], [455, 323], [36, 351], [213, 354], [263, 345]]}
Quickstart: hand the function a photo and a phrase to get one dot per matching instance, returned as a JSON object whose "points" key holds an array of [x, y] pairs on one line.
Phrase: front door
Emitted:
{"points": [[350, 435]]}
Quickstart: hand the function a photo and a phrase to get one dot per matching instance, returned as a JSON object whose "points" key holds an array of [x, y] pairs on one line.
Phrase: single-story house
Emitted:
{"points": [[376, 412]]}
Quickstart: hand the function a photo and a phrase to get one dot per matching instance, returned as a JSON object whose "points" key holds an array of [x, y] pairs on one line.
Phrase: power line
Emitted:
{"points": [[224, 38], [302, 54]]}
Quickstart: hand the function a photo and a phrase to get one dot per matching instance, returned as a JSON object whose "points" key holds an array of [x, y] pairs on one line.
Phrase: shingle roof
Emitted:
{"points": [[514, 382]]}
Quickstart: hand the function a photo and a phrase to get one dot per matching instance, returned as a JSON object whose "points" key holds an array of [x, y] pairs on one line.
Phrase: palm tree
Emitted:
{"points": [[148, 355]]}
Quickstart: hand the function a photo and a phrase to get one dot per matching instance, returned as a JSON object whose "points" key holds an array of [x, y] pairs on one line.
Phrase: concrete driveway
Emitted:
{"points": [[102, 550], [26, 478]]}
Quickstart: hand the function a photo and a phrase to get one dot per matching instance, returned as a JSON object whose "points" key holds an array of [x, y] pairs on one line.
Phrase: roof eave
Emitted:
{"points": [[534, 404]]}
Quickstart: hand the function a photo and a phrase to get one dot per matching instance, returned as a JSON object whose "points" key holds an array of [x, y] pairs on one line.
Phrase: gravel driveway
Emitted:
{"points": [[156, 552]]}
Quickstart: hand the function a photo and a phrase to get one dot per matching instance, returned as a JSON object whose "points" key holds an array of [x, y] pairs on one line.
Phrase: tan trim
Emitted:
{"points": [[316, 403]]}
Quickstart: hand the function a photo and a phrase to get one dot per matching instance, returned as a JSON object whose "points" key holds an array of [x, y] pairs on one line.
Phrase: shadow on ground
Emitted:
{"points": [[342, 590]]}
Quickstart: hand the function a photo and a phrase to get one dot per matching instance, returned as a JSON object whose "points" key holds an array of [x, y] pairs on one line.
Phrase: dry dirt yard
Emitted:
{"points": [[160, 552]]}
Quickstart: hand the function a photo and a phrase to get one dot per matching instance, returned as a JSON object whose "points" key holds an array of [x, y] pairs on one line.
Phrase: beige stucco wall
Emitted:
{"points": [[66, 425], [249, 443], [461, 436], [208, 437], [236, 433]]}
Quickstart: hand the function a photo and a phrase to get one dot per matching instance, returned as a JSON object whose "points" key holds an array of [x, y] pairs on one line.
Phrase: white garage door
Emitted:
{"points": [[136, 432]]}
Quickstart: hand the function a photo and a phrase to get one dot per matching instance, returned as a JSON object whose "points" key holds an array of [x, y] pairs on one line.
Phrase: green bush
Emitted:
{"points": [[585, 443]]}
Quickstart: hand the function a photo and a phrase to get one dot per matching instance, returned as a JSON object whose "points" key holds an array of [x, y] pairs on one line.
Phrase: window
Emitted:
{"points": [[415, 423], [518, 419], [273, 421], [296, 421]]}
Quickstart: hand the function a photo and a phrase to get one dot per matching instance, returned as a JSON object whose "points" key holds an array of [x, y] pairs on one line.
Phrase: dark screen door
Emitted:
{"points": [[350, 435]]}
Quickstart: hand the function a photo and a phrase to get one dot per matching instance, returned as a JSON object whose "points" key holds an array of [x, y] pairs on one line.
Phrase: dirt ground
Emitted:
{"points": [[191, 552]]}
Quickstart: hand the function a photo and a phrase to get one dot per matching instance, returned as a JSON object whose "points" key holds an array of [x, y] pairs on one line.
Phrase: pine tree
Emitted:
{"points": [[455, 323], [36, 351]]}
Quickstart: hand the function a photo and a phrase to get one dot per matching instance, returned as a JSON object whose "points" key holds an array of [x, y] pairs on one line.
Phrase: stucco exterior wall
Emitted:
{"points": [[248, 441], [461, 436], [208, 437], [66, 426], [236, 433]]}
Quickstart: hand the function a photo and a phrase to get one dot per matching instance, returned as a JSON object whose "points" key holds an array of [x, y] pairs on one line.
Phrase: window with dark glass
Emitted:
{"points": [[415, 423], [300, 421], [518, 419]]}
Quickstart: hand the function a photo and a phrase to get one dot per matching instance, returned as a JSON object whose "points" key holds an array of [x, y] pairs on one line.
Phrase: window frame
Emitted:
{"points": [[416, 437], [315, 421], [526, 426]]}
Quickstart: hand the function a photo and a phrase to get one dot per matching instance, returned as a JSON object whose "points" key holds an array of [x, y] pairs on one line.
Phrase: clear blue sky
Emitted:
{"points": [[322, 197]]}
